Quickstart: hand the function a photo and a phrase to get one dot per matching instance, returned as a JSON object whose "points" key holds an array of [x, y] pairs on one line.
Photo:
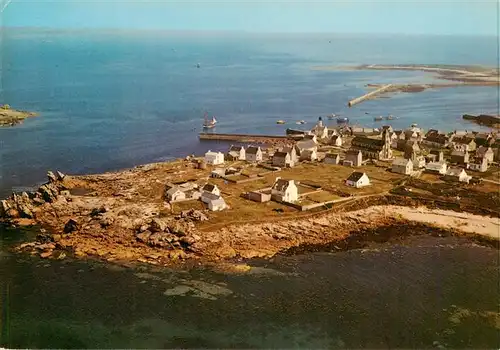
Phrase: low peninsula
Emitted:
{"points": [[11, 117], [236, 206], [456, 75]]}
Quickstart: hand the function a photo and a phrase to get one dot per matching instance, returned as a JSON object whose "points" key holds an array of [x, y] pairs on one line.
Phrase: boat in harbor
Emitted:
{"points": [[209, 124], [332, 116], [377, 119], [343, 120], [300, 122], [390, 117], [280, 122], [295, 132]]}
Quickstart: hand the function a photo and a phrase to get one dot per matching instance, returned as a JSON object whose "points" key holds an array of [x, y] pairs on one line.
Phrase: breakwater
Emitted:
{"points": [[242, 137]]}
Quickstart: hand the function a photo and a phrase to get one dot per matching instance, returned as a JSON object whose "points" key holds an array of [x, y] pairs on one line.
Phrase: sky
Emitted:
{"points": [[440, 17]]}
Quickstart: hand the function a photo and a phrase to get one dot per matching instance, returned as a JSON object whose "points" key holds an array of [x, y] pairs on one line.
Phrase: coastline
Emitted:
{"points": [[12, 117], [457, 74], [95, 216]]}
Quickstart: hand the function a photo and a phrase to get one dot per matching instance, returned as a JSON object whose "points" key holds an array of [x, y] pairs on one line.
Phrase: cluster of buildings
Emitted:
{"points": [[418, 152], [187, 191], [251, 154]]}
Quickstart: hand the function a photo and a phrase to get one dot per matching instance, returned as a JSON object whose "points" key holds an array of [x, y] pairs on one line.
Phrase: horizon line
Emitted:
{"points": [[234, 31]]}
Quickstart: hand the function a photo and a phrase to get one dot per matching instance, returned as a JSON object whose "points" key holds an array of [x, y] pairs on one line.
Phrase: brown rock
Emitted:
{"points": [[225, 251], [157, 225], [46, 254], [71, 225], [187, 240], [60, 176], [177, 254], [52, 177], [143, 236]]}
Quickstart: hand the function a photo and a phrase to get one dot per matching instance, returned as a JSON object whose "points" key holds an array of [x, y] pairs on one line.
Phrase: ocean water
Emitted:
{"points": [[109, 100]]}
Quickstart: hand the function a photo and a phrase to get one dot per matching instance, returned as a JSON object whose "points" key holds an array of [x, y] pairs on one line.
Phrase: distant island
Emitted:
{"points": [[457, 76], [11, 117]]}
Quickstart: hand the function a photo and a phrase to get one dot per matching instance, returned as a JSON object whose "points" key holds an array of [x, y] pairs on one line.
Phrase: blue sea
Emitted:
{"points": [[114, 99], [109, 100]]}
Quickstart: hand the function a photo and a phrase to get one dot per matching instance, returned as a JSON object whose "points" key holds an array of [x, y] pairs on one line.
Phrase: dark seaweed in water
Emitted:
{"points": [[383, 234]]}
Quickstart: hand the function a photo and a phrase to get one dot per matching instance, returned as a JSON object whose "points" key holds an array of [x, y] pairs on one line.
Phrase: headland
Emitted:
{"points": [[11, 117], [256, 202]]}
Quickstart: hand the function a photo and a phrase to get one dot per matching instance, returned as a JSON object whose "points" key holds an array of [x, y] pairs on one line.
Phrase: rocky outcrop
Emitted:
{"points": [[25, 204], [171, 235]]}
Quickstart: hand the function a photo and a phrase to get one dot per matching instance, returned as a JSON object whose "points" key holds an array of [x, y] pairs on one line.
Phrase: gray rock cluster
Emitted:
{"points": [[171, 235], [23, 205]]}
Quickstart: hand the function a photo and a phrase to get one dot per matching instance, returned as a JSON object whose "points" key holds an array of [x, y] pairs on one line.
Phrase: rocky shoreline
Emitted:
{"points": [[116, 228], [11, 117]]}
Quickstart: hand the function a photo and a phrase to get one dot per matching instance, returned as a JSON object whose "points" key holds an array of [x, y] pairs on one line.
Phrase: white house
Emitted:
{"points": [[436, 167], [307, 145], [332, 158], [209, 189], [310, 155], [479, 164], [284, 190], [283, 160], [253, 154], [236, 153], [357, 179], [214, 202], [293, 152], [214, 158], [485, 152], [336, 140], [402, 166], [457, 174], [175, 194]]}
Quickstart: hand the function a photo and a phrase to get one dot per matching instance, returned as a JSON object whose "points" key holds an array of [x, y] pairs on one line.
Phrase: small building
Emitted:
{"points": [[485, 152], [418, 162], [374, 148], [214, 202], [236, 153], [306, 145], [174, 194], [437, 140], [253, 154], [402, 166], [357, 179], [436, 167], [261, 196], [294, 152], [400, 135], [483, 139], [214, 158], [355, 157], [209, 188], [411, 150], [460, 157], [283, 160], [308, 137], [284, 191], [219, 172], [464, 144], [332, 158], [320, 130], [457, 174], [479, 164], [336, 140], [310, 155], [439, 155]]}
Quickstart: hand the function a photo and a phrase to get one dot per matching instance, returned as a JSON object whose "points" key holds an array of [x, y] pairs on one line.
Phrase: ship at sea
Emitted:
{"points": [[209, 124]]}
